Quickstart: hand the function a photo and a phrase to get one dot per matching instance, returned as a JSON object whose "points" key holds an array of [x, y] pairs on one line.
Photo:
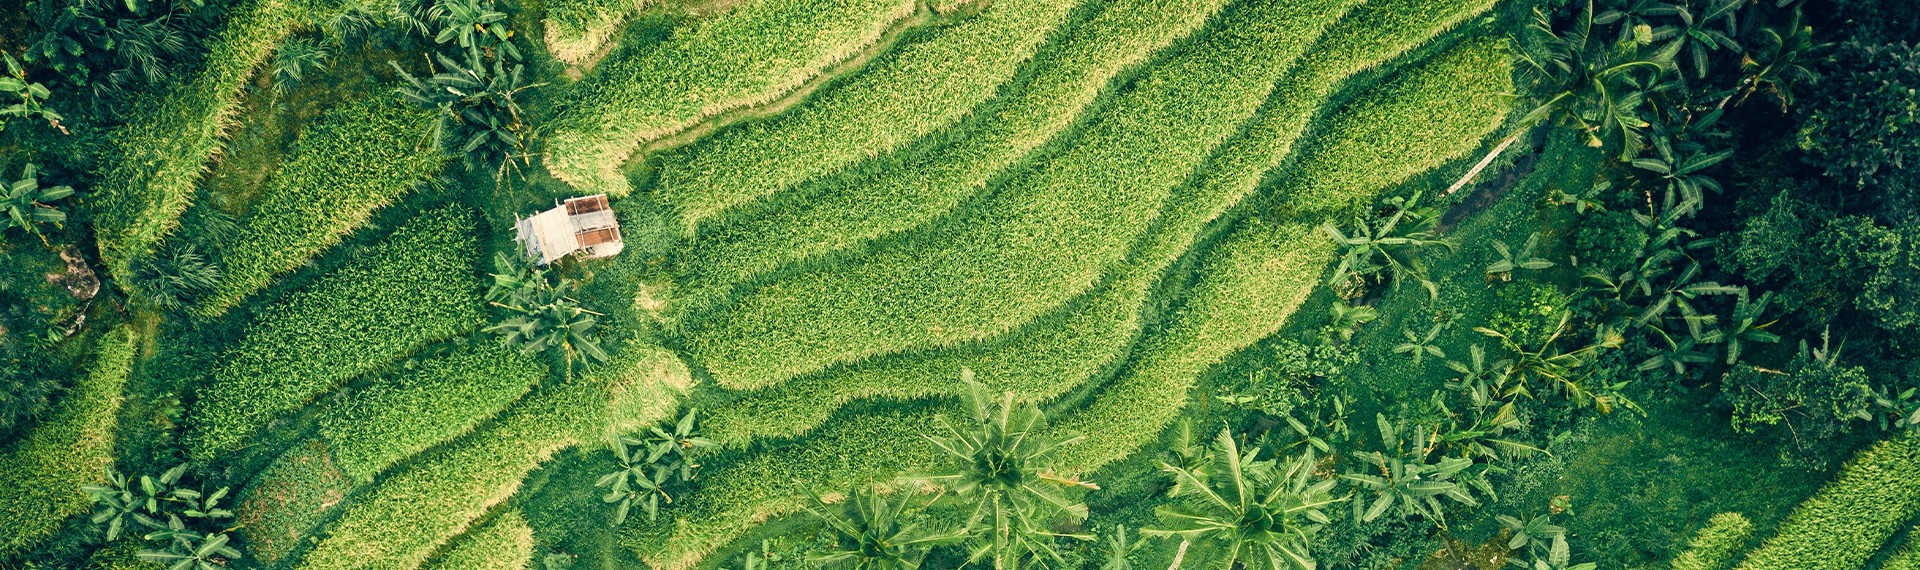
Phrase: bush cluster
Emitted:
{"points": [[40, 477], [1843, 525], [904, 96], [1041, 241], [754, 52], [415, 287], [349, 162], [425, 405]]}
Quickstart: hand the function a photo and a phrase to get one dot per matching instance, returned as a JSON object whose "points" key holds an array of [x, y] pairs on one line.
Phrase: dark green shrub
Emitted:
{"points": [[1608, 241], [1813, 400], [1860, 121], [1527, 311]]}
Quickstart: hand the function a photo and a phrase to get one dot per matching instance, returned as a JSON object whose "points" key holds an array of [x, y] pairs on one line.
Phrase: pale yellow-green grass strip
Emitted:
{"points": [[857, 209], [504, 543], [919, 88], [1908, 558], [1261, 274], [576, 29], [417, 508], [1036, 361], [1040, 242], [1720, 543], [1249, 284], [154, 160], [752, 53], [1844, 524], [40, 477]]}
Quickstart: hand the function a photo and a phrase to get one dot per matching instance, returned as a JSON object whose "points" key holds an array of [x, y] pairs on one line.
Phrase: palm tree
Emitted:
{"points": [[870, 533], [1000, 462], [1257, 513]]}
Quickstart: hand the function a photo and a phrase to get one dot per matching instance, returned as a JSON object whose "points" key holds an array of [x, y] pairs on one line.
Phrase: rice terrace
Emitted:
{"points": [[960, 284]]}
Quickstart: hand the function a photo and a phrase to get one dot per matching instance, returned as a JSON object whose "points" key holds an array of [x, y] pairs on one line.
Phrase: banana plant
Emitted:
{"points": [[1673, 353], [1395, 246], [473, 24], [538, 313], [1537, 532], [1119, 549], [189, 550], [1711, 29], [871, 533], [30, 98], [1509, 261], [1419, 346], [1784, 61], [1256, 513], [1598, 87], [1745, 326], [1679, 164], [1345, 320], [1407, 478], [639, 481], [27, 204]]}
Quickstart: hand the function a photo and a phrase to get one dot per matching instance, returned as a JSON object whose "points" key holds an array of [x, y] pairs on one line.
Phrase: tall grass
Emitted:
{"points": [[437, 496], [1843, 525], [41, 475], [154, 160], [352, 160], [504, 543], [1041, 241], [576, 29], [426, 405], [417, 286], [753, 53], [853, 209], [1257, 277], [1718, 546], [1036, 361], [907, 94]]}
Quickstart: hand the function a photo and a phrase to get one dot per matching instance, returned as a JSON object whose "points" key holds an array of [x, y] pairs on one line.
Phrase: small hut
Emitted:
{"points": [[585, 224]]}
